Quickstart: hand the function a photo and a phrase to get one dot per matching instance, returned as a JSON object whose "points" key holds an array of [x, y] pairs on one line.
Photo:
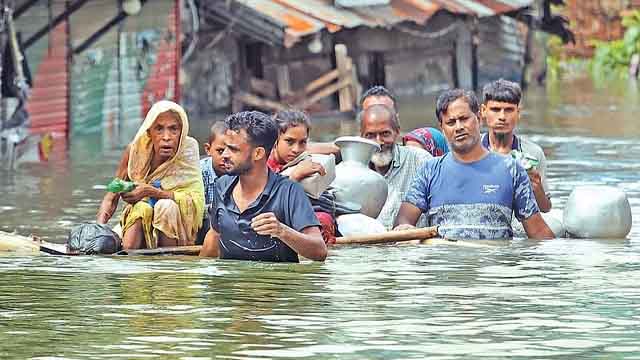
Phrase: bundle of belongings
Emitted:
{"points": [[93, 239]]}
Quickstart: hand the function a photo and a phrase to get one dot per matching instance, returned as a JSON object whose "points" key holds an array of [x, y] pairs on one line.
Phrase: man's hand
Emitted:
{"points": [[305, 169], [403, 227], [536, 180], [538, 190], [140, 192], [268, 224]]}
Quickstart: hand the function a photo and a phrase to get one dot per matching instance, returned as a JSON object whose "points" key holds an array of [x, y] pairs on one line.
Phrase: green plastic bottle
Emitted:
{"points": [[118, 185], [527, 161]]}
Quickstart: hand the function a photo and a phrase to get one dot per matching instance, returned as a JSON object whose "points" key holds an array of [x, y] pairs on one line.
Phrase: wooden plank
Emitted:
{"points": [[193, 250], [259, 102], [344, 94], [323, 93], [18, 244], [297, 98], [56, 249], [263, 87], [321, 81]]}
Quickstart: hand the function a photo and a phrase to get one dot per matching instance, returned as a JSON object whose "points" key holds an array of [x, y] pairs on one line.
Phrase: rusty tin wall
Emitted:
{"points": [[117, 79], [47, 106]]}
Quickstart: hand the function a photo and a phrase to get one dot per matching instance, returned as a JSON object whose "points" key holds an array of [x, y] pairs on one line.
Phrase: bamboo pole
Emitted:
{"points": [[389, 236], [380, 238]]}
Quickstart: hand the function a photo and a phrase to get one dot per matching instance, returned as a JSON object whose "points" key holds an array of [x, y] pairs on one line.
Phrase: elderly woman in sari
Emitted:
{"points": [[166, 206]]}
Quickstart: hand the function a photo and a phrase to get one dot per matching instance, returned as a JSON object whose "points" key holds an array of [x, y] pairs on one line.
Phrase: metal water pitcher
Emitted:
{"points": [[597, 211], [355, 182]]}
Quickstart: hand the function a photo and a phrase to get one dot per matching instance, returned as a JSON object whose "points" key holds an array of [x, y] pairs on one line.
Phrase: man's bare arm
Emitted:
{"points": [[323, 148], [210, 246], [537, 228], [407, 216], [307, 243]]}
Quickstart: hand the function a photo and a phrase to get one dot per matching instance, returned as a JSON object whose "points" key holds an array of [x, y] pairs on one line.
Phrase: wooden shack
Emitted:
{"points": [[319, 54]]}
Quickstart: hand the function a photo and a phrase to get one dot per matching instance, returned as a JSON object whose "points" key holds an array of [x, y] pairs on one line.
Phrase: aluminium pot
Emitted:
{"points": [[597, 211], [355, 182]]}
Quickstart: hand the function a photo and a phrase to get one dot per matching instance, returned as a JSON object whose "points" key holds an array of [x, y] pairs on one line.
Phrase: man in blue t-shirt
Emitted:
{"points": [[257, 214], [470, 193]]}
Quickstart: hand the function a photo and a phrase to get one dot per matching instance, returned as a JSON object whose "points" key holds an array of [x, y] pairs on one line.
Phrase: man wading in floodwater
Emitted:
{"points": [[398, 164], [470, 193], [258, 214], [501, 110]]}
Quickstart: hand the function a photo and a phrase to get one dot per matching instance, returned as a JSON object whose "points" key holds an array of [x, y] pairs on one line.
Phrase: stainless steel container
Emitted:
{"points": [[355, 182], [597, 211]]}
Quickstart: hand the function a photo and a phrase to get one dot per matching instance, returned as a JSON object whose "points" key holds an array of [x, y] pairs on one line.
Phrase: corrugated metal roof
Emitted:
{"points": [[296, 23], [304, 17]]}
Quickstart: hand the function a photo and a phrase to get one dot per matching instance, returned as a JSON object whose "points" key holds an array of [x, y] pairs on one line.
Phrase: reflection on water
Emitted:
{"points": [[551, 300], [555, 299]]}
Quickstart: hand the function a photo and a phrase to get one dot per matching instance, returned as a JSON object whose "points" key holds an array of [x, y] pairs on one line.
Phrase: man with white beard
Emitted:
{"points": [[397, 163]]}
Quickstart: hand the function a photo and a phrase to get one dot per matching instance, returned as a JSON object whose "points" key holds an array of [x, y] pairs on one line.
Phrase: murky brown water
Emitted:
{"points": [[557, 299]]}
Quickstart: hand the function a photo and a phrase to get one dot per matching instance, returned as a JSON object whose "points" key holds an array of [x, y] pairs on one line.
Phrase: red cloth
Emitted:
{"points": [[273, 164], [327, 227], [327, 223]]}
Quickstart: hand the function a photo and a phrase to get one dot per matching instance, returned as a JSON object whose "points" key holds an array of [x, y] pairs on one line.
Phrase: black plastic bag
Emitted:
{"points": [[92, 238], [327, 203]]}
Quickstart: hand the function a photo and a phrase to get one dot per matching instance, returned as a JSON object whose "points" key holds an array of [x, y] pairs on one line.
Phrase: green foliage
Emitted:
{"points": [[560, 66], [612, 58], [554, 58]]}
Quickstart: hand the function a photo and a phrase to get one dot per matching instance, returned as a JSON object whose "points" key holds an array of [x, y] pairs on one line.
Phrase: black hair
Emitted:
{"points": [[393, 116], [503, 91], [261, 129], [446, 98], [378, 90], [217, 128], [286, 119]]}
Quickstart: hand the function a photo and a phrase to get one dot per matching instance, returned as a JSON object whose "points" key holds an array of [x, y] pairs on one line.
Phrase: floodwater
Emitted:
{"points": [[563, 298]]}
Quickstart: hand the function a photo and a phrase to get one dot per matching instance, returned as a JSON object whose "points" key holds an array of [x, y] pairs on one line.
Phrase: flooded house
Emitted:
{"points": [[319, 54], [95, 67]]}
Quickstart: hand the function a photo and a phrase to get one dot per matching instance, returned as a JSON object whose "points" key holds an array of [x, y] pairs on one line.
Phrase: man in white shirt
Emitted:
{"points": [[397, 163]]}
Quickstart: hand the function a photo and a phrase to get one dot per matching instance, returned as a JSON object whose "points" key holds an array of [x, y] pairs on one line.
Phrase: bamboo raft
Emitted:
{"points": [[29, 245]]}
